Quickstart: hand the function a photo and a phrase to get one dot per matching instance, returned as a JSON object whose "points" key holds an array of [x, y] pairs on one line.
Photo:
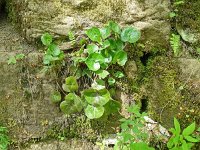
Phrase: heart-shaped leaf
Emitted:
{"points": [[114, 27], [92, 48], [77, 102], [105, 32], [106, 44], [119, 74], [111, 81], [72, 104], [121, 58], [102, 74], [98, 84], [94, 60], [94, 34], [47, 59], [46, 39], [96, 97], [112, 107], [93, 112], [56, 97], [130, 34], [70, 85], [67, 107], [53, 50]]}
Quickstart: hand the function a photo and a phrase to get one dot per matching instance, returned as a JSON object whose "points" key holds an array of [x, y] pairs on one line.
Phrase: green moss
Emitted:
{"points": [[162, 93], [188, 14]]}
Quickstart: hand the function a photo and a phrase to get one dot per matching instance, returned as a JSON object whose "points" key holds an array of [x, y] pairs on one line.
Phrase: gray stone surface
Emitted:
{"points": [[58, 17], [65, 145]]}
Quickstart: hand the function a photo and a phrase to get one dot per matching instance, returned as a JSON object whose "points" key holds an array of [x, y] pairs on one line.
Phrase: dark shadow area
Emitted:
{"points": [[3, 12], [144, 58], [144, 105]]}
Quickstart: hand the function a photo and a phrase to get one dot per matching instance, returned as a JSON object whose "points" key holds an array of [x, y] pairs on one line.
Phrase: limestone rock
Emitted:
{"points": [[59, 17], [65, 145], [131, 69], [173, 90]]}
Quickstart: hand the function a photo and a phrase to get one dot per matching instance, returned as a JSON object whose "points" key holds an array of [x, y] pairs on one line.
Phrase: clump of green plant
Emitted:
{"points": [[4, 140], [13, 59], [53, 54], [182, 140], [175, 44], [133, 135], [103, 49]]}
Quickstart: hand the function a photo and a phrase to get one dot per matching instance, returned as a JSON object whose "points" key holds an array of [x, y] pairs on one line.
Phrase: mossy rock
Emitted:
{"points": [[188, 22], [163, 98], [172, 91]]}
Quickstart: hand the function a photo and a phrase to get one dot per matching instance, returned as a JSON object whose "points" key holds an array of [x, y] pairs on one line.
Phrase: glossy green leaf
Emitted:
{"points": [[94, 34], [113, 45], [47, 59], [119, 44], [119, 74], [189, 130], [46, 39], [54, 50], [93, 112], [105, 32], [112, 107], [170, 143], [67, 107], [140, 146], [191, 139], [102, 74], [70, 85], [92, 48], [72, 104], [98, 84], [111, 81], [55, 97], [114, 27], [92, 65], [77, 102], [130, 34], [94, 60], [121, 58], [184, 145], [106, 44], [97, 97], [177, 126]]}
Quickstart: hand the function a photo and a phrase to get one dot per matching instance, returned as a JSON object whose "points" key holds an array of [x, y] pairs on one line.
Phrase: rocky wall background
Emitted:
{"points": [[163, 85]]}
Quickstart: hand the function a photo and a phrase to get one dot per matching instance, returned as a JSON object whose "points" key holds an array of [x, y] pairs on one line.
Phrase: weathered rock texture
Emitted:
{"points": [[58, 17], [173, 90], [65, 145], [25, 106], [171, 87]]}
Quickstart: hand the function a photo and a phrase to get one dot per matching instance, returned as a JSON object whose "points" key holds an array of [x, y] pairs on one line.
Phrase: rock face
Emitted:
{"points": [[173, 90], [58, 17], [65, 145]]}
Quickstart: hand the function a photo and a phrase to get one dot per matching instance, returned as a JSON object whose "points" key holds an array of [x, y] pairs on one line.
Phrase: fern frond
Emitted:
{"points": [[175, 44]]}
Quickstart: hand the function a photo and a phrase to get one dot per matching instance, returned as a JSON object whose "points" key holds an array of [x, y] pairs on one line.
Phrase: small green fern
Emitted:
{"points": [[175, 44]]}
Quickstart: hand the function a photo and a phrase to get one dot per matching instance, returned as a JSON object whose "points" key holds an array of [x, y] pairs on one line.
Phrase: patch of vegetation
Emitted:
{"points": [[104, 49], [4, 139], [133, 135], [184, 140]]}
